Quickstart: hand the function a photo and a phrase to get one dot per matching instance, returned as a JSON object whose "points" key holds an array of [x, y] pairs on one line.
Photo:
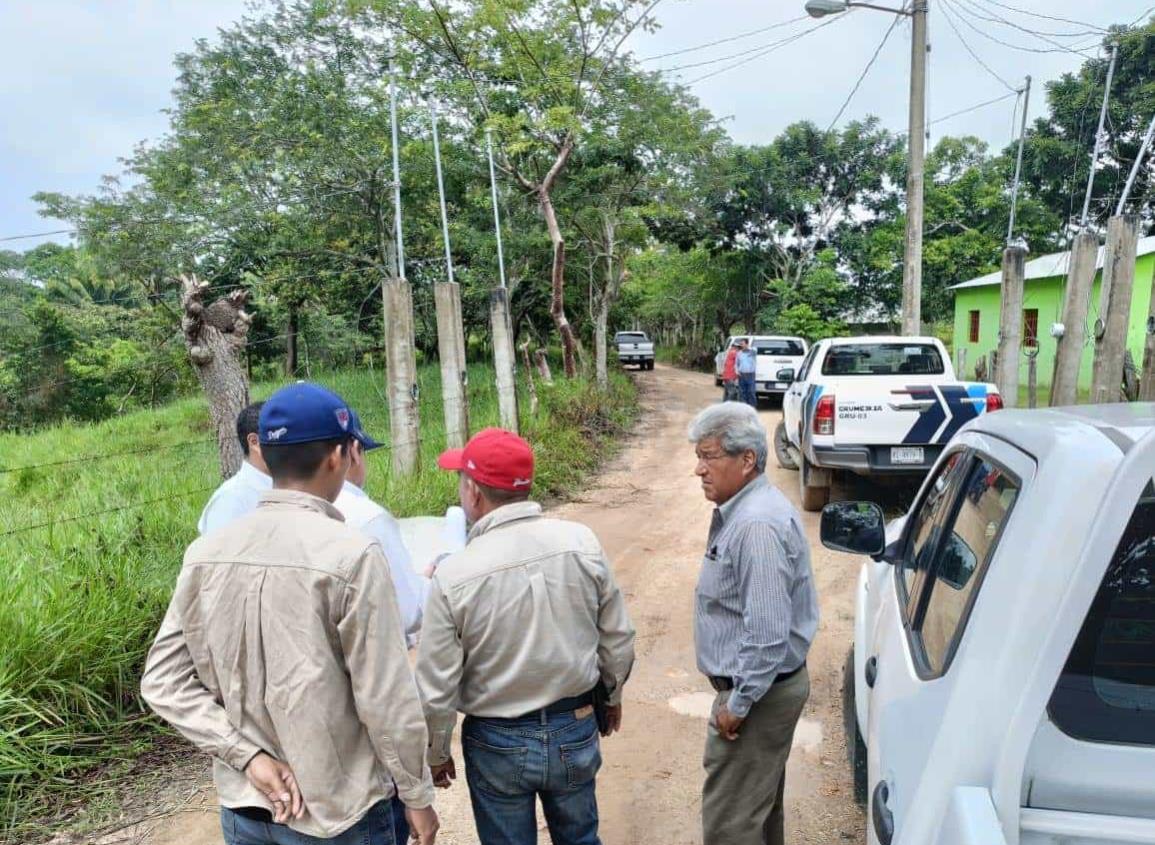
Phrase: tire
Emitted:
{"points": [[855, 746], [717, 381], [782, 448], [813, 498]]}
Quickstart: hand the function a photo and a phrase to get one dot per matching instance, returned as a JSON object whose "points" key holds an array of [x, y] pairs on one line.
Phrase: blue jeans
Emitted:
{"points": [[746, 389], [376, 827], [509, 762]]}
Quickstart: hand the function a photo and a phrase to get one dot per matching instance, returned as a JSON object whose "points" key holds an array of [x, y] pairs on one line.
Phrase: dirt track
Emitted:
{"points": [[648, 510]]}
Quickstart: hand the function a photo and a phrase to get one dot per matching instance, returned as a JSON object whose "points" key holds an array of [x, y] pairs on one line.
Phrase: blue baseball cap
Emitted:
{"points": [[364, 439], [305, 413]]}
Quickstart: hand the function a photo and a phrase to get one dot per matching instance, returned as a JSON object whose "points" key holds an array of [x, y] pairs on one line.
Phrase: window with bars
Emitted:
{"points": [[1031, 327], [974, 327]]}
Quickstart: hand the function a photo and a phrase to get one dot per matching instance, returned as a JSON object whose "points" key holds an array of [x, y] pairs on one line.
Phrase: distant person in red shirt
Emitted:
{"points": [[730, 374]]}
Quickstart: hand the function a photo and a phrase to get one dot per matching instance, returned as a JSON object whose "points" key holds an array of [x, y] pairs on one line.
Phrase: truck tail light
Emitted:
{"points": [[824, 416], [994, 402]]}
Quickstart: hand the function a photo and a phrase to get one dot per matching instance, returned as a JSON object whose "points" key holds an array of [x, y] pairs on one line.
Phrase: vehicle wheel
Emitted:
{"points": [[782, 448], [814, 498], [717, 381], [855, 747]]}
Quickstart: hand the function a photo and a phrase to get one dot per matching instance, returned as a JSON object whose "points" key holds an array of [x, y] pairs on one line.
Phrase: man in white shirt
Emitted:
{"points": [[370, 518], [239, 495]]}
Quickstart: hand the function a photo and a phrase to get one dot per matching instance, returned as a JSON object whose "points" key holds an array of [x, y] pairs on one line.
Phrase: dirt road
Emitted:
{"points": [[648, 510]]}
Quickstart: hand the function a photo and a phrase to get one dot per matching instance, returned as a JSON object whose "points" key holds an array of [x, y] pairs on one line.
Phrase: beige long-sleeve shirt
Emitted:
{"points": [[527, 614], [284, 636]]}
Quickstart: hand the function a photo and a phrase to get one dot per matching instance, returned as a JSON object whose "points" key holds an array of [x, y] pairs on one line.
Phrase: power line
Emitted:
{"points": [[983, 6], [975, 107], [965, 16], [740, 36], [950, 20], [768, 50], [719, 59], [865, 71], [1056, 18], [38, 235]]}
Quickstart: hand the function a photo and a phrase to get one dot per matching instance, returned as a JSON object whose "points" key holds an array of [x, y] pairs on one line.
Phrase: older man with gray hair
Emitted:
{"points": [[755, 615]]}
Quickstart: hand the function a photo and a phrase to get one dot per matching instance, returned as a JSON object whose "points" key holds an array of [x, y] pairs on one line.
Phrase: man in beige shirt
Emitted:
{"points": [[520, 629], [282, 654]]}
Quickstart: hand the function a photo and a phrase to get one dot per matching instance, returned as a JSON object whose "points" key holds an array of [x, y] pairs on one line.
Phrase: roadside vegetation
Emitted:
{"points": [[82, 596]]}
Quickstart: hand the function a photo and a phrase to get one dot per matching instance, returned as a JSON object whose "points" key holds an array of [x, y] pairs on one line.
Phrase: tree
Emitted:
{"points": [[544, 75]]}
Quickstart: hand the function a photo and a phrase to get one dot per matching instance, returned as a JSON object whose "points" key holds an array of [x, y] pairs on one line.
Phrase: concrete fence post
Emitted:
{"points": [[1147, 385], [450, 348], [1114, 307], [1010, 325], [504, 358], [401, 366], [1069, 350]]}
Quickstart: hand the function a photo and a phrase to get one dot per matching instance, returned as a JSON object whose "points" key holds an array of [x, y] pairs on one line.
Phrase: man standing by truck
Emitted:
{"points": [[747, 367], [730, 374], [755, 615]]}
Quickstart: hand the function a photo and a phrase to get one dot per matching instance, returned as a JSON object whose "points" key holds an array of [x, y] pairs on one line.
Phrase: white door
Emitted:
{"points": [[952, 538], [792, 398]]}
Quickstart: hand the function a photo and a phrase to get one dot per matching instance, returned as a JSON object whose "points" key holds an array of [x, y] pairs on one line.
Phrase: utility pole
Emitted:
{"points": [[1114, 308], [1098, 138], [912, 258], [501, 326], [400, 355], [1135, 167], [450, 331], [1019, 162]]}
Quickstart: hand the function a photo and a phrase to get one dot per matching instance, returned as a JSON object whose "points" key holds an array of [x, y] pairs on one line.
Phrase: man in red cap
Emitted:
{"points": [[525, 629]]}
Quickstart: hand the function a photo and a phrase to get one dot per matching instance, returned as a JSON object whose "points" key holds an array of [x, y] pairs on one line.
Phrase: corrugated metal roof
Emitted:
{"points": [[1047, 266]]}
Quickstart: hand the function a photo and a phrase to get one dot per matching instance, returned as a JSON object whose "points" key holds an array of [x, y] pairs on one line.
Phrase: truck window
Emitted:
{"points": [[806, 362], [779, 347], [883, 359], [1106, 692], [926, 528], [969, 539]]}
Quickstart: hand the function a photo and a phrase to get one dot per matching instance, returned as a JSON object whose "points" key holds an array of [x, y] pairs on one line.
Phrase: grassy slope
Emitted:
{"points": [[80, 600]]}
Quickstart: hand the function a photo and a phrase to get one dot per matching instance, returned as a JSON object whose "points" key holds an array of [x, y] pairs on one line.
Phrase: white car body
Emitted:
{"points": [[875, 405], [774, 352], [1003, 663]]}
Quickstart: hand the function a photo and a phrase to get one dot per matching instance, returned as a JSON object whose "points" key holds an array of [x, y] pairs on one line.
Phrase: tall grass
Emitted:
{"points": [[80, 600]]}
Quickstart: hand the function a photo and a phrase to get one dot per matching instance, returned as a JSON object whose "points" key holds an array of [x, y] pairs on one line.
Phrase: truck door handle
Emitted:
{"points": [[881, 815], [870, 671]]}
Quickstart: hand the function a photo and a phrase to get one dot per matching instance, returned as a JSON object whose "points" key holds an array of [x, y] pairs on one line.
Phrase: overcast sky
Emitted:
{"points": [[83, 81]]}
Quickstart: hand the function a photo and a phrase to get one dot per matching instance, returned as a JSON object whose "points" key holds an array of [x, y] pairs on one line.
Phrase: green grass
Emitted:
{"points": [[80, 600]]}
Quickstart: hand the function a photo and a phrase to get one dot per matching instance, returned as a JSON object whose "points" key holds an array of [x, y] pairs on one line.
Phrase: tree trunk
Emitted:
{"points": [[216, 348], [557, 284], [601, 319], [291, 342], [531, 385]]}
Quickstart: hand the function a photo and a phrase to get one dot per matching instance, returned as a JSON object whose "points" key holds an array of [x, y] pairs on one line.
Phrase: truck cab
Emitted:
{"points": [[1001, 684]]}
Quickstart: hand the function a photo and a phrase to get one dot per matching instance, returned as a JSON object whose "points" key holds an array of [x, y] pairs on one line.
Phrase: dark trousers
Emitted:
{"points": [[746, 778], [746, 389]]}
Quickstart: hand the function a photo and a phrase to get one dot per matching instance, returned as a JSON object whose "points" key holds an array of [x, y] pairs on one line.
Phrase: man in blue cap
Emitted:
{"points": [[282, 654]]}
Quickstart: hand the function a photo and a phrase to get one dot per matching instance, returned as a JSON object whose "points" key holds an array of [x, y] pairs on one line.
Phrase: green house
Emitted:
{"points": [[977, 303]]}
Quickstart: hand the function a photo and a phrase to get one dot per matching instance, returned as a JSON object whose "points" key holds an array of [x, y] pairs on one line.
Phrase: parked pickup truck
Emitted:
{"points": [[774, 352], [872, 405], [635, 348], [1001, 685]]}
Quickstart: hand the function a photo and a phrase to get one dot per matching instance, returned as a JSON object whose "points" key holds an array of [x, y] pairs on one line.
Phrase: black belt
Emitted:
{"points": [[562, 705], [726, 684]]}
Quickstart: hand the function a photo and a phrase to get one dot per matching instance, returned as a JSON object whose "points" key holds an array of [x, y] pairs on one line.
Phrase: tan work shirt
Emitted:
{"points": [[283, 636], [527, 614]]}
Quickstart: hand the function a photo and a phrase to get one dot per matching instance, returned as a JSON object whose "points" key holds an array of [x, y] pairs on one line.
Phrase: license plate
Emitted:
{"points": [[906, 455]]}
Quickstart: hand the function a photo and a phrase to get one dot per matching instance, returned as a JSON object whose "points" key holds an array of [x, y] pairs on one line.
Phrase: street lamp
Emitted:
{"points": [[912, 258]]}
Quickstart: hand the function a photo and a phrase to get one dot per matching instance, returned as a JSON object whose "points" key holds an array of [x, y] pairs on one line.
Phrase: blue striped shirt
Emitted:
{"points": [[755, 608]]}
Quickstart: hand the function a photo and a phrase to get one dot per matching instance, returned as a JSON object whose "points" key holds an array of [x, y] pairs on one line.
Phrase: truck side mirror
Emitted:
{"points": [[785, 374], [854, 527]]}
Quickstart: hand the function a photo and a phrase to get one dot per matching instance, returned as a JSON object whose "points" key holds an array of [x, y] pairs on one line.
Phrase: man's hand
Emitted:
{"points": [[444, 774], [727, 723], [423, 824], [276, 782], [613, 719]]}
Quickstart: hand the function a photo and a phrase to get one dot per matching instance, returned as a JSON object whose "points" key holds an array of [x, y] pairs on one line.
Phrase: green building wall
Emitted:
{"points": [[1047, 296]]}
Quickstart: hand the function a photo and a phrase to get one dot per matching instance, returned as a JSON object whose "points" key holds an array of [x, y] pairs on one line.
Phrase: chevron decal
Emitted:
{"points": [[960, 409], [930, 420]]}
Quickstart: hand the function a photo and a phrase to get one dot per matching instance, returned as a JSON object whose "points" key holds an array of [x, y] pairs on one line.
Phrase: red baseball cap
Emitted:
{"points": [[494, 457]]}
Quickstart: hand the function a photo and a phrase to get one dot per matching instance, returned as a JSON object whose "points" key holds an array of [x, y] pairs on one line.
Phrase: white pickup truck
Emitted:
{"points": [[635, 348], [1001, 685], [872, 405], [773, 353]]}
